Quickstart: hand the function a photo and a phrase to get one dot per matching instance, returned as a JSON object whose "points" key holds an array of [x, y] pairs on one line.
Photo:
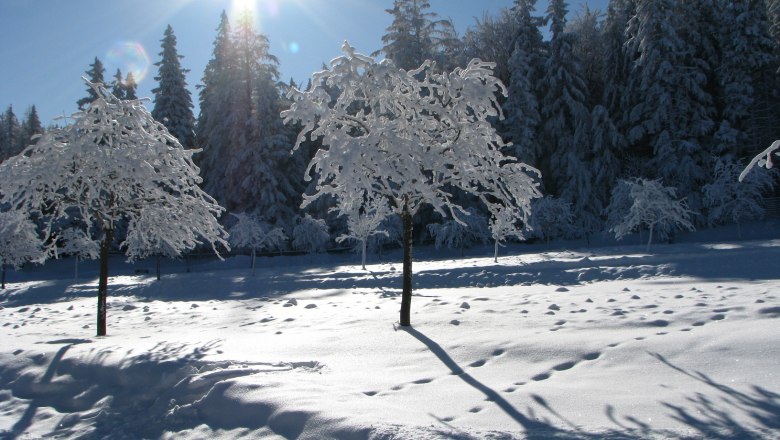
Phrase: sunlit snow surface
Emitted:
{"points": [[606, 342]]}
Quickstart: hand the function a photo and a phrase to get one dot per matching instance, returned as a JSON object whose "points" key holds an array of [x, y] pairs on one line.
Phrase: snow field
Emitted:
{"points": [[607, 343]]}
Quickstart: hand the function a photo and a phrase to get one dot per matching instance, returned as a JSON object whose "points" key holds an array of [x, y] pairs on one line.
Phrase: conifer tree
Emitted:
{"points": [[117, 85], [212, 130], [95, 76], [172, 99], [10, 134], [674, 117], [416, 35], [130, 87], [30, 127]]}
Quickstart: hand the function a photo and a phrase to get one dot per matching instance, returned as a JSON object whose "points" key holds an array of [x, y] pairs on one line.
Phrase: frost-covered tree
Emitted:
{"points": [[310, 234], [730, 201], [521, 107], [19, 241], [251, 233], [504, 225], [470, 229], [654, 206], [409, 139], [114, 164], [75, 242], [95, 76], [172, 98], [551, 218], [363, 222]]}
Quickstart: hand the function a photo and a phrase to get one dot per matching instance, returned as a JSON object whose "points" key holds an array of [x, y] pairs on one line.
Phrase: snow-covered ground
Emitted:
{"points": [[682, 341]]}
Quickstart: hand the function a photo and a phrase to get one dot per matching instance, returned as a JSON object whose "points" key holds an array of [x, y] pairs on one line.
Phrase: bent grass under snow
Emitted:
{"points": [[607, 342]]}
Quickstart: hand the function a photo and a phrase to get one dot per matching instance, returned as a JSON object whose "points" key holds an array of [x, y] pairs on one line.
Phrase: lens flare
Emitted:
{"points": [[129, 56], [294, 47]]}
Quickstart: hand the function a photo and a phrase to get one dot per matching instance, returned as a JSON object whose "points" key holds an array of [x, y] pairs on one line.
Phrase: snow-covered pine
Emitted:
{"points": [[114, 163], [471, 228], [730, 200], [75, 242], [19, 241], [172, 98], [654, 206], [363, 222], [672, 116], [249, 232], [409, 138], [565, 134], [745, 51], [310, 234]]}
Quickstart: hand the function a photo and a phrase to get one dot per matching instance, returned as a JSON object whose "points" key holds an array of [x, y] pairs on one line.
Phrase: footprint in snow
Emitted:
{"points": [[477, 364], [564, 366]]}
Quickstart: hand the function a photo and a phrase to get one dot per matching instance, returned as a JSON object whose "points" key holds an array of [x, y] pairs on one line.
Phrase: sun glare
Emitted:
{"points": [[238, 7]]}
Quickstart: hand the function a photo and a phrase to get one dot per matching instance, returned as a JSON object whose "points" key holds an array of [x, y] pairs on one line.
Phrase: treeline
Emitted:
{"points": [[681, 91]]}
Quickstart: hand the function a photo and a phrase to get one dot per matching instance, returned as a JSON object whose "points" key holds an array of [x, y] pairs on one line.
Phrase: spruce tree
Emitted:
{"points": [[117, 86], [672, 119], [10, 135], [416, 34], [30, 127], [95, 76], [130, 87], [212, 131], [172, 99], [566, 127]]}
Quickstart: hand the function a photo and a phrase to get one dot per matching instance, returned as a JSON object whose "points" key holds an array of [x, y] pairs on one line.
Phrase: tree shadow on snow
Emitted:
{"points": [[709, 419]]}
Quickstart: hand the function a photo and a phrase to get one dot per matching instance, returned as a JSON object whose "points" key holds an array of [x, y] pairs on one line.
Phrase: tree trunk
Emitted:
{"points": [[495, 252], [158, 268], [108, 235], [650, 239], [3, 276], [363, 242], [253, 261], [406, 295]]}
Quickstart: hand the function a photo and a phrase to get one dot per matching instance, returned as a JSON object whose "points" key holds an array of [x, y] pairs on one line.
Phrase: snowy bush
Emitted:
{"points": [[730, 200], [470, 230], [655, 207], [248, 232], [363, 222], [310, 234], [19, 241], [504, 225], [74, 241], [551, 218]]}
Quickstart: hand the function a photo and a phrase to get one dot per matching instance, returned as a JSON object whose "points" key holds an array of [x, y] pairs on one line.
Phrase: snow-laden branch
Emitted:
{"points": [[763, 159]]}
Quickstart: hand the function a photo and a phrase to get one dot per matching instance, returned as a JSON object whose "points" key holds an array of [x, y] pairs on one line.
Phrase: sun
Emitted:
{"points": [[238, 7]]}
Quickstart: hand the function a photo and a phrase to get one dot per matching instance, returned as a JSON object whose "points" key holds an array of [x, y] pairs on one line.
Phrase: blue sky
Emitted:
{"points": [[47, 45]]}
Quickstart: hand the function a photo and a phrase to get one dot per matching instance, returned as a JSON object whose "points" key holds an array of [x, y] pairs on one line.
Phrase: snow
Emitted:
{"points": [[600, 342]]}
